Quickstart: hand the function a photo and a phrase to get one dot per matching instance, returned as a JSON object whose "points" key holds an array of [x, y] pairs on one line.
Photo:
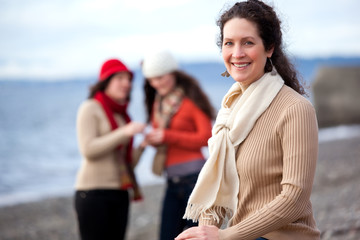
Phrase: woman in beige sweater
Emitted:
{"points": [[264, 144], [105, 134]]}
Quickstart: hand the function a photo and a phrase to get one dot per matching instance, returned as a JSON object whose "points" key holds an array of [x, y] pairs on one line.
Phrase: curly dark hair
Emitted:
{"points": [[191, 88], [269, 29]]}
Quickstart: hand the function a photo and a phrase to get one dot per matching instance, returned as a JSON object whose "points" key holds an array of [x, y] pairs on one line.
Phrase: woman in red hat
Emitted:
{"points": [[105, 135]]}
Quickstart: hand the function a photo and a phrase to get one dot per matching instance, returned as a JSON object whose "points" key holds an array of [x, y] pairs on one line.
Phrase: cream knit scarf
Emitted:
{"points": [[216, 192]]}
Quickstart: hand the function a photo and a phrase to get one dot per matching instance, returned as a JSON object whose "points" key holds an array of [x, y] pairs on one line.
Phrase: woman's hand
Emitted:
{"points": [[155, 137], [133, 128], [201, 233], [144, 144]]}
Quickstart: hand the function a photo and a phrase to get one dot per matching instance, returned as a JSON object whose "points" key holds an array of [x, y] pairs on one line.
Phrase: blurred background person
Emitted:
{"points": [[105, 135], [180, 114], [264, 146]]}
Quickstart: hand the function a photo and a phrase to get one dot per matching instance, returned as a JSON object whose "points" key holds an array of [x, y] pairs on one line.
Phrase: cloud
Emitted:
{"points": [[150, 6], [320, 28], [50, 39], [85, 57]]}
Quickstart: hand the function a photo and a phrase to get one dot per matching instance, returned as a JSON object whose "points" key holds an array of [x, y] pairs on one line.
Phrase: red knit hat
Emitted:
{"points": [[111, 67]]}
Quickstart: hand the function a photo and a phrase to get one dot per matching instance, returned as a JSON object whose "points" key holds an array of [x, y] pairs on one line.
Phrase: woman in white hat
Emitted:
{"points": [[180, 114]]}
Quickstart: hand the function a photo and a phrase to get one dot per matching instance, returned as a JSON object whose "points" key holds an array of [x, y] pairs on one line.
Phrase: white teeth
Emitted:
{"points": [[241, 65]]}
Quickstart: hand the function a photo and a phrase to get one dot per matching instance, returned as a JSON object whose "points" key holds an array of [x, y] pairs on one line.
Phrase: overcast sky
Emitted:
{"points": [[71, 38]]}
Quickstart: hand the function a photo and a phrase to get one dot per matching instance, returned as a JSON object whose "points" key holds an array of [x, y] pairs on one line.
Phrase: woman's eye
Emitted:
{"points": [[248, 43], [227, 43]]}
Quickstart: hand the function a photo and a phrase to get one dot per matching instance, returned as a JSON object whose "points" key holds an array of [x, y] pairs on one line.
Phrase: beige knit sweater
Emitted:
{"points": [[97, 143], [276, 167]]}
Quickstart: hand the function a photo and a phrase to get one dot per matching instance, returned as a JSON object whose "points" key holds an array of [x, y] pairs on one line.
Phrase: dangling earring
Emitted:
{"points": [[225, 74], [273, 70]]}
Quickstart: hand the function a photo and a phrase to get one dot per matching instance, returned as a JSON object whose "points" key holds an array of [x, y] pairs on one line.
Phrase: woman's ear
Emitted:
{"points": [[270, 52]]}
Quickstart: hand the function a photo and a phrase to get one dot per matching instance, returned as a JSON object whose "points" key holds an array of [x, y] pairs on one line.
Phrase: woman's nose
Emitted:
{"points": [[238, 52]]}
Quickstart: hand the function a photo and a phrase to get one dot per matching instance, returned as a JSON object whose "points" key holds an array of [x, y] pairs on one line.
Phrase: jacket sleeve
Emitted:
{"points": [[92, 143], [191, 139], [299, 137]]}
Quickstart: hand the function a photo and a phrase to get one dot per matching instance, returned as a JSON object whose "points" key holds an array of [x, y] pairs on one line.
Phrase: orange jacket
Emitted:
{"points": [[189, 130]]}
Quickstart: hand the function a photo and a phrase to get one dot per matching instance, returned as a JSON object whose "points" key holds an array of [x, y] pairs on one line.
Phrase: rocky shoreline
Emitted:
{"points": [[336, 190], [335, 198]]}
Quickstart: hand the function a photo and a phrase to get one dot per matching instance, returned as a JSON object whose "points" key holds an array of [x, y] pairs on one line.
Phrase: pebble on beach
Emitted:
{"points": [[335, 199]]}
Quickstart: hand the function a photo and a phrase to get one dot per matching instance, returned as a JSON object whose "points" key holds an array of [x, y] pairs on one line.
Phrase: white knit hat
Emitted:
{"points": [[158, 64]]}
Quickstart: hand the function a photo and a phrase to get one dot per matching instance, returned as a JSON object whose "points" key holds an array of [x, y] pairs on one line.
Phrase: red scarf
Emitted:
{"points": [[110, 107]]}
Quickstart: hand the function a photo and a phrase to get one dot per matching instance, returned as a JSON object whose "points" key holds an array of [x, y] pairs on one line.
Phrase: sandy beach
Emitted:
{"points": [[335, 198]]}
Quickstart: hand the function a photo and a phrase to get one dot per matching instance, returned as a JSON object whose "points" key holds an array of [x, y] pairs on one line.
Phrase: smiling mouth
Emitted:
{"points": [[241, 65]]}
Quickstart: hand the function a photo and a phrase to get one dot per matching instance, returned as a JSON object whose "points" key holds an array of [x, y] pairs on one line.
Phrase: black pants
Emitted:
{"points": [[102, 214], [176, 196]]}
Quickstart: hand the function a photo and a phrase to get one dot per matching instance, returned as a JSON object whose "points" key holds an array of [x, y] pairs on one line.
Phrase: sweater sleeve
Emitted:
{"points": [[298, 132], [92, 143], [190, 139]]}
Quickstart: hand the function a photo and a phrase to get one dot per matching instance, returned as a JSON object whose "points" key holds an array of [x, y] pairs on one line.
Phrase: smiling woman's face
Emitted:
{"points": [[163, 84], [119, 87], [243, 51]]}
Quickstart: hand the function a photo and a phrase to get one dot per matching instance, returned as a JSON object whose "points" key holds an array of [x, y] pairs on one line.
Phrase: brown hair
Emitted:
{"points": [[191, 89], [101, 86], [269, 29]]}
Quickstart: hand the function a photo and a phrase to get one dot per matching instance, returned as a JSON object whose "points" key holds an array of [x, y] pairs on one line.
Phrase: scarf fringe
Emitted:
{"points": [[215, 213]]}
